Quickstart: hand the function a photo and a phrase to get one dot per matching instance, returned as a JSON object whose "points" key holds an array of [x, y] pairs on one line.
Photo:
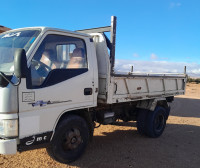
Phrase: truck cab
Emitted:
{"points": [[60, 75]]}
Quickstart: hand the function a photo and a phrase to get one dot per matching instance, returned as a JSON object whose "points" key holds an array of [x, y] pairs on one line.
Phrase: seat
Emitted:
{"points": [[77, 59]]}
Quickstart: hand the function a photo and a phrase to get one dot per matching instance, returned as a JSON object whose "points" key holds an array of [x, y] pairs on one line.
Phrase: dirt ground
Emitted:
{"points": [[122, 147]]}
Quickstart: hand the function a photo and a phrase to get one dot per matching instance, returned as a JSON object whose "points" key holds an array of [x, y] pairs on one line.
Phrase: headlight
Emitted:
{"points": [[8, 128]]}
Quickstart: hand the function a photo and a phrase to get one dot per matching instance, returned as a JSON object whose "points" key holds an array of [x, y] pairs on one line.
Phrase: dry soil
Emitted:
{"points": [[122, 147]]}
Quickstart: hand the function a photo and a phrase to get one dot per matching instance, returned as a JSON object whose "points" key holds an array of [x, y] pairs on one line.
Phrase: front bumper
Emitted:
{"points": [[8, 146]]}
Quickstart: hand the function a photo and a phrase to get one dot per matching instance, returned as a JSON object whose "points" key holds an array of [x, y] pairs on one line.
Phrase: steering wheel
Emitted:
{"points": [[41, 68]]}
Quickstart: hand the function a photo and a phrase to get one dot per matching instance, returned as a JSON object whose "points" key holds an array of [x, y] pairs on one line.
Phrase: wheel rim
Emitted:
{"points": [[159, 123], [72, 139]]}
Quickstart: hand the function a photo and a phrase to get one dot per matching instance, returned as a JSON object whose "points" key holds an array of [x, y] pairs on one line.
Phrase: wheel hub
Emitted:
{"points": [[72, 139]]}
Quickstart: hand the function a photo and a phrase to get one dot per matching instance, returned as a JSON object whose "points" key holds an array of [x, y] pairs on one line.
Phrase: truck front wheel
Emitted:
{"points": [[156, 122], [70, 139]]}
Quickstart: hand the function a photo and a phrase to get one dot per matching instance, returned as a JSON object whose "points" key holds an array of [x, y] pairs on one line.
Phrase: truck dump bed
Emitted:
{"points": [[126, 88]]}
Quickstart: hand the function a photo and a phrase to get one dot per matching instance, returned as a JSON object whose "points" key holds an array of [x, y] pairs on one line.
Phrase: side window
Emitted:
{"points": [[65, 51], [57, 54], [71, 56]]}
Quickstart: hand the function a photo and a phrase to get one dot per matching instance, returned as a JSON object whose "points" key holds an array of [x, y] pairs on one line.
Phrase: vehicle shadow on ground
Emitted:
{"points": [[185, 107], [125, 124], [177, 147]]}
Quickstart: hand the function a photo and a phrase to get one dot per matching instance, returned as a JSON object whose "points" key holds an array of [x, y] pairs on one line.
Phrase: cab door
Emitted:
{"points": [[60, 80]]}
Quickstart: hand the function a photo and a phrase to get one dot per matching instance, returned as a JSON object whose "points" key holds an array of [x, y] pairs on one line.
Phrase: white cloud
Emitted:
{"points": [[175, 4], [153, 56], [193, 69]]}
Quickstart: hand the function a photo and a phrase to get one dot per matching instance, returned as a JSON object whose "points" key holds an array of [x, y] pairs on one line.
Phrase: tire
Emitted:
{"points": [[70, 139], [141, 121], [168, 112], [156, 122]]}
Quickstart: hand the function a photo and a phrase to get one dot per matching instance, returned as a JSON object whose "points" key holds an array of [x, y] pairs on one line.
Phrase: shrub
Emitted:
{"points": [[190, 80]]}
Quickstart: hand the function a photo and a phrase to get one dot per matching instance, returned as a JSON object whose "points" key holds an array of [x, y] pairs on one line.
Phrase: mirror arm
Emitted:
{"points": [[14, 84]]}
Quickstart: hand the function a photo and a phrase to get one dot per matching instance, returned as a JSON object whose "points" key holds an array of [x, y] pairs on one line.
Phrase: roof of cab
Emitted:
{"points": [[45, 29]]}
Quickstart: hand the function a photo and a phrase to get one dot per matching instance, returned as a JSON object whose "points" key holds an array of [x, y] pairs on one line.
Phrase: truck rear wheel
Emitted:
{"points": [[156, 122], [141, 121], [70, 139]]}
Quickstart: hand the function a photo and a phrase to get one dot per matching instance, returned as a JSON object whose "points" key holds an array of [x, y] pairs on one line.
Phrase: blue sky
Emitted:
{"points": [[162, 31]]}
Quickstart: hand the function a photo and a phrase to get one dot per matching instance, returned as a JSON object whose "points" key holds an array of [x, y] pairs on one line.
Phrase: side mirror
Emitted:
{"points": [[20, 63]]}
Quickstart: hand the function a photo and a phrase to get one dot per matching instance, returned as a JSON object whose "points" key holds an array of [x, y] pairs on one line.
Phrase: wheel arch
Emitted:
{"points": [[163, 103], [84, 113], [151, 104]]}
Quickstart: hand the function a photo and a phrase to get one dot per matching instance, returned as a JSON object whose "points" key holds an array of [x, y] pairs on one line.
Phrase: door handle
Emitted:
{"points": [[88, 91]]}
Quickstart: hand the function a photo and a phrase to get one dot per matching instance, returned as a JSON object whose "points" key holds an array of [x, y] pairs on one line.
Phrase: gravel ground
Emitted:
{"points": [[121, 146]]}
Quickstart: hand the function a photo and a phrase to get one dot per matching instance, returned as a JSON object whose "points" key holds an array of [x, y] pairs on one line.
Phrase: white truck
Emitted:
{"points": [[55, 85]]}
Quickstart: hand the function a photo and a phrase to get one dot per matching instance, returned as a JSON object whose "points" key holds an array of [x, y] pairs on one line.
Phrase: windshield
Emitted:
{"points": [[9, 42]]}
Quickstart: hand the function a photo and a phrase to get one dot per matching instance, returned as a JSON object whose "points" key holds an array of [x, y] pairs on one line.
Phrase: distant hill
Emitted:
{"points": [[3, 29]]}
